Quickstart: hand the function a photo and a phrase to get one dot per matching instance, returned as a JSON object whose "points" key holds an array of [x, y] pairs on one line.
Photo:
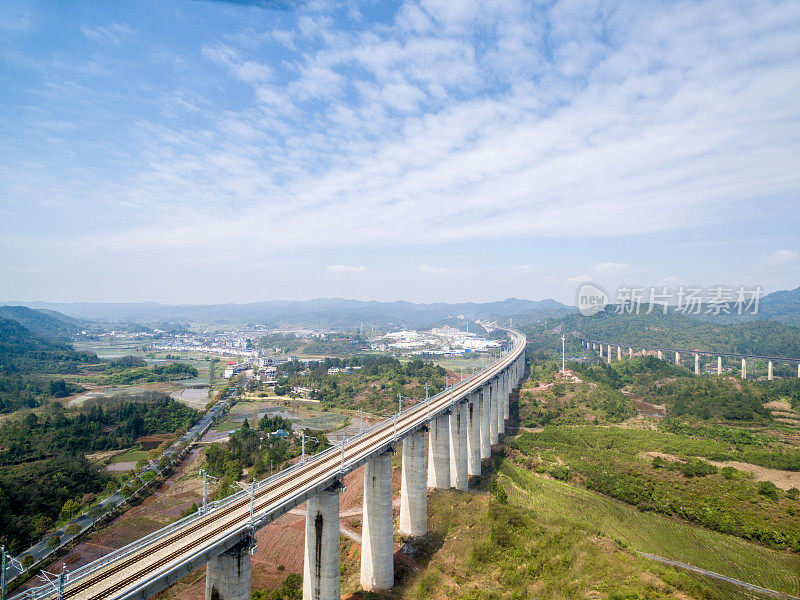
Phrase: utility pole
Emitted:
{"points": [[206, 476]]}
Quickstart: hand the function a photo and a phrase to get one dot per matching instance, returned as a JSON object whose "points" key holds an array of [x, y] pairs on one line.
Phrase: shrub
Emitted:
{"points": [[698, 468], [793, 493], [731, 473], [27, 561], [73, 529], [54, 542], [768, 489]]}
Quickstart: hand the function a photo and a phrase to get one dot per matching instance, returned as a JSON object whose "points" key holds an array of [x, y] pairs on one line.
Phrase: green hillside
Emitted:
{"points": [[43, 323], [674, 330]]}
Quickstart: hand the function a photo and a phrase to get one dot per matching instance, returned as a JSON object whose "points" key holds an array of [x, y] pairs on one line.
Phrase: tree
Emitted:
{"points": [[69, 510], [53, 542], [41, 524]]}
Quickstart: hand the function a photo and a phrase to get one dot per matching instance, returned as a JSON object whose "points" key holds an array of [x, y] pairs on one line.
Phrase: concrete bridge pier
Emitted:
{"points": [[798, 370], [413, 488], [502, 399], [678, 358], [494, 392], [744, 368], [321, 567], [474, 434], [630, 352], [697, 364], [510, 385], [770, 375], [609, 354], [719, 365], [459, 461], [377, 560], [439, 453], [619, 352], [486, 444], [228, 574], [660, 355]]}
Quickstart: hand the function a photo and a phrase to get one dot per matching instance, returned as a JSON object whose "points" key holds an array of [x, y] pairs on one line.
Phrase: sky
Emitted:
{"points": [[198, 152]]}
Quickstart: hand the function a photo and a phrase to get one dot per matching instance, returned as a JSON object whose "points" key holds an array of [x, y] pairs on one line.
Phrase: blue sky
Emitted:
{"points": [[197, 151]]}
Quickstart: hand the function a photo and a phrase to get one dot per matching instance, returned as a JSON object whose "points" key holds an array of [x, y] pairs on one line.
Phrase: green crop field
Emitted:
{"points": [[655, 534], [132, 455]]}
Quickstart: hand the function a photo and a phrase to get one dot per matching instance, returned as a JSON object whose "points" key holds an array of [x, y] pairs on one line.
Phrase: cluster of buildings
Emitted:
{"points": [[437, 341]]}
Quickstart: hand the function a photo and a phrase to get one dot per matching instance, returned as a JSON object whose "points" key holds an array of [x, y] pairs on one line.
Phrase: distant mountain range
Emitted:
{"points": [[321, 312], [334, 313]]}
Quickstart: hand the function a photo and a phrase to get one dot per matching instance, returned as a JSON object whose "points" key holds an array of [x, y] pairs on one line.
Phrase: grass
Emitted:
{"points": [[648, 532], [132, 455], [481, 549], [228, 425]]}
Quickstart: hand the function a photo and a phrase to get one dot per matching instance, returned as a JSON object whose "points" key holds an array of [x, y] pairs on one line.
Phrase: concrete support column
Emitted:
{"points": [[228, 575], [660, 355], [678, 358], [493, 402], [413, 489], [439, 453], [798, 370], [770, 376], [630, 352], [697, 364], [619, 352], [474, 434], [459, 462], [377, 561], [502, 398], [744, 368], [510, 385], [719, 365], [321, 568], [486, 442], [609, 353]]}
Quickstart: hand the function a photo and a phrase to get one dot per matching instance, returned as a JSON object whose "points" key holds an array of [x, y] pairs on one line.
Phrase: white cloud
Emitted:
{"points": [[578, 279], [427, 269], [612, 268], [114, 34], [783, 256], [346, 269]]}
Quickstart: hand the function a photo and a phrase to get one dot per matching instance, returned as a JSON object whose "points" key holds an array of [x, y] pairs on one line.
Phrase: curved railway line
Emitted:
{"points": [[136, 568]]}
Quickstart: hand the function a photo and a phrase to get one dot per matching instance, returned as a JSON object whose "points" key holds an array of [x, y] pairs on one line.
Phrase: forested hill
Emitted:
{"points": [[679, 331], [22, 351], [43, 323]]}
